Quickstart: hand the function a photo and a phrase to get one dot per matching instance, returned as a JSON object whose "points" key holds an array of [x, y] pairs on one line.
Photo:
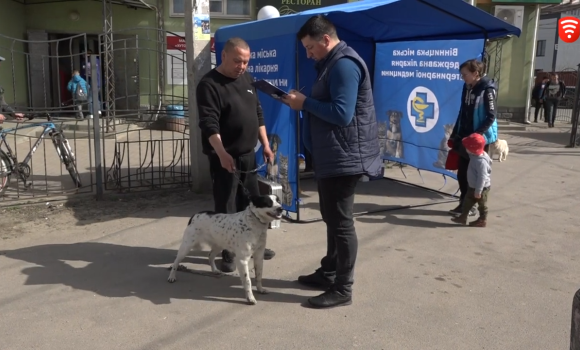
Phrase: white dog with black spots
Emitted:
{"points": [[242, 233]]}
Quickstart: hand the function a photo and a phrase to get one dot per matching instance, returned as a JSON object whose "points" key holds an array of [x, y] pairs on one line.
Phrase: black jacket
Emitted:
{"points": [[4, 107], [560, 92], [538, 90]]}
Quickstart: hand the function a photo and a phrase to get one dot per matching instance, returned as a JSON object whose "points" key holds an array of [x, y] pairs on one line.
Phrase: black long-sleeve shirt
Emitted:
{"points": [[229, 107]]}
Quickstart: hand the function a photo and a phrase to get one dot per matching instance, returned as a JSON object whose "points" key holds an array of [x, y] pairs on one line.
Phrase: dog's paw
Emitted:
{"points": [[171, 279], [217, 271], [263, 291], [179, 268], [251, 300]]}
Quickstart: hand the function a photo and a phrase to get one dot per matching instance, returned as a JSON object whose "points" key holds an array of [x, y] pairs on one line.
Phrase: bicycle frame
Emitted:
{"points": [[49, 128]]}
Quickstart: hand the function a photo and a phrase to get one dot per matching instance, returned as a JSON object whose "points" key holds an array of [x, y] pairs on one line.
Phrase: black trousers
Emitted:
{"points": [[462, 175], [336, 197], [228, 194], [550, 109], [575, 324], [537, 107], [308, 160]]}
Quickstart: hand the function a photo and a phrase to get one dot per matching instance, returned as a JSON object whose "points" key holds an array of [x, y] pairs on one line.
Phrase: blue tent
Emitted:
{"points": [[386, 20], [278, 57]]}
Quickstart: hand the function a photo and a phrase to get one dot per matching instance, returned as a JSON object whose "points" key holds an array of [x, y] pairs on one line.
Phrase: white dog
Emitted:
{"points": [[242, 233], [501, 147]]}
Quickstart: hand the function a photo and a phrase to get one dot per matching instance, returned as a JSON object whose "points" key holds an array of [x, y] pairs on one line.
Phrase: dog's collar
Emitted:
{"points": [[256, 216]]}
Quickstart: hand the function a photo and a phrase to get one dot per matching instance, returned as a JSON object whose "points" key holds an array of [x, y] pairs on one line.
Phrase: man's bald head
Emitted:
{"points": [[235, 58], [234, 43]]}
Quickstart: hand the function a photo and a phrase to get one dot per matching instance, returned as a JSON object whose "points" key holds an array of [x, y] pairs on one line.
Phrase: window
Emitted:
{"points": [[217, 8], [541, 48]]}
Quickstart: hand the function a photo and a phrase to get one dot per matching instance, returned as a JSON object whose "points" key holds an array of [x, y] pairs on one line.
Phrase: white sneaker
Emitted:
{"points": [[90, 116]]}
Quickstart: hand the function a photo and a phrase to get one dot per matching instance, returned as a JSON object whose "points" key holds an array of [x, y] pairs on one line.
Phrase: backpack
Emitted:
{"points": [[80, 94]]}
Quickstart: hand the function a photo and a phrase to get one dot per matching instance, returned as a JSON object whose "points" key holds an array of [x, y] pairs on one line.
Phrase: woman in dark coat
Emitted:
{"points": [[477, 114]]}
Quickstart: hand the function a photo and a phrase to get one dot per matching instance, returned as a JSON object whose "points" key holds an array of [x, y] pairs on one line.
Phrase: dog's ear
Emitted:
{"points": [[262, 201]]}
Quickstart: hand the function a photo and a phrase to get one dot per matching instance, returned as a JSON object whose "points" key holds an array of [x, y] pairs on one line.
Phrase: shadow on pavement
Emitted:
{"points": [[380, 188], [118, 271], [395, 218], [559, 138]]}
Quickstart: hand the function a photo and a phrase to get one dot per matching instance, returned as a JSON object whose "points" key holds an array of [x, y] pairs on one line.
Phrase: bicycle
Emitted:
{"points": [[9, 164]]}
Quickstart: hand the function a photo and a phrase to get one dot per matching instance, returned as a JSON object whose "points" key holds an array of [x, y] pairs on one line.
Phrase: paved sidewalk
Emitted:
{"points": [[144, 156], [421, 282]]}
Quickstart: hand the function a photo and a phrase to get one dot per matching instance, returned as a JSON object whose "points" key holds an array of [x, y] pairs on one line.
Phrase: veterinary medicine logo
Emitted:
{"points": [[568, 29], [422, 109]]}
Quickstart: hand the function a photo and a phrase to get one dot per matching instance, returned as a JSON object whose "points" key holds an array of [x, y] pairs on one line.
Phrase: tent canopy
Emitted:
{"points": [[386, 21]]}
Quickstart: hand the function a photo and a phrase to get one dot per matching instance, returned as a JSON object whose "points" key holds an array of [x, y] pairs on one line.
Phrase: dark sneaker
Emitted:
{"points": [[318, 279], [459, 220], [227, 264], [456, 211], [269, 254], [330, 298]]}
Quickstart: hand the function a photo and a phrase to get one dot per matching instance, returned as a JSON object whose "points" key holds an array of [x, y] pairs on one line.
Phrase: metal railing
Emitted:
{"points": [[142, 146]]}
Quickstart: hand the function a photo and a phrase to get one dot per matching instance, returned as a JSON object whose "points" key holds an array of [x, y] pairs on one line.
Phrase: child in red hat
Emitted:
{"points": [[478, 178]]}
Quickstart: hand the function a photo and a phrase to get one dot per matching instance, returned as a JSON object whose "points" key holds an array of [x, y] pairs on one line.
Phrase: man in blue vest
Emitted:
{"points": [[340, 131]]}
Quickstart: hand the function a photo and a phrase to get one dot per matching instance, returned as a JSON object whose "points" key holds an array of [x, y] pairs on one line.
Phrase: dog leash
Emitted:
{"points": [[238, 173]]}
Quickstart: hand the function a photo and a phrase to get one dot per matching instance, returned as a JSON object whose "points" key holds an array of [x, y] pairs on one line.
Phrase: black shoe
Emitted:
{"points": [[318, 279], [269, 254], [227, 264], [330, 298], [456, 211]]}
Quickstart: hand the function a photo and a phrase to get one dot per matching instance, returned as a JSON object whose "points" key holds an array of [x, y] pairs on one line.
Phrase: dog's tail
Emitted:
{"points": [[207, 212]]}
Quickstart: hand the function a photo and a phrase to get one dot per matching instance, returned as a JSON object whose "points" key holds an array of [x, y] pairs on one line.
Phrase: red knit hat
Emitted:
{"points": [[474, 143]]}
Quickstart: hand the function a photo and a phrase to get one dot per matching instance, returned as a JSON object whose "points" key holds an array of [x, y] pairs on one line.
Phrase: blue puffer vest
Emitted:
{"points": [[480, 112], [350, 150]]}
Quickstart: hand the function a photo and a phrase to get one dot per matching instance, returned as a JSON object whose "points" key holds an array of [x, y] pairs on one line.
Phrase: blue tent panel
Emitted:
{"points": [[386, 20]]}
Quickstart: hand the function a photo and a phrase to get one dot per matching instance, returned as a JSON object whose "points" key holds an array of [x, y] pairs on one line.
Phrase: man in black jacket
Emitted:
{"points": [[537, 93], [231, 122], [5, 107], [553, 93]]}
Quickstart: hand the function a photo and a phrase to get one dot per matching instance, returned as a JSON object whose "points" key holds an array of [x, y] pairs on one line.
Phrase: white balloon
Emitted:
{"points": [[268, 12]]}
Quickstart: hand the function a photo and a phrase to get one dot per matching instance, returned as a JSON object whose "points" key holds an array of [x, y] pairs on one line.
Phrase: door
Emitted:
{"points": [[126, 70], [39, 70]]}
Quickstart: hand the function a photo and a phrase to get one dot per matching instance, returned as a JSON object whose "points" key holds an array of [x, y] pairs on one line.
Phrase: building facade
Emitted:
{"points": [[149, 50], [552, 54]]}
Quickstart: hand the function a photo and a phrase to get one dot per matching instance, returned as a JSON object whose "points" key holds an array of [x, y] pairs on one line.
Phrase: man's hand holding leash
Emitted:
{"points": [[227, 161], [17, 117], [268, 154]]}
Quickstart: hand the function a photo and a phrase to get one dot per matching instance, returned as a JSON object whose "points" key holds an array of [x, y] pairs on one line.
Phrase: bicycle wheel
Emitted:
{"points": [[69, 160], [4, 172]]}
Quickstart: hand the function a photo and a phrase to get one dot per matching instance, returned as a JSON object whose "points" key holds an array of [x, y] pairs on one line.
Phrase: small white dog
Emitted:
{"points": [[243, 234], [501, 147]]}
